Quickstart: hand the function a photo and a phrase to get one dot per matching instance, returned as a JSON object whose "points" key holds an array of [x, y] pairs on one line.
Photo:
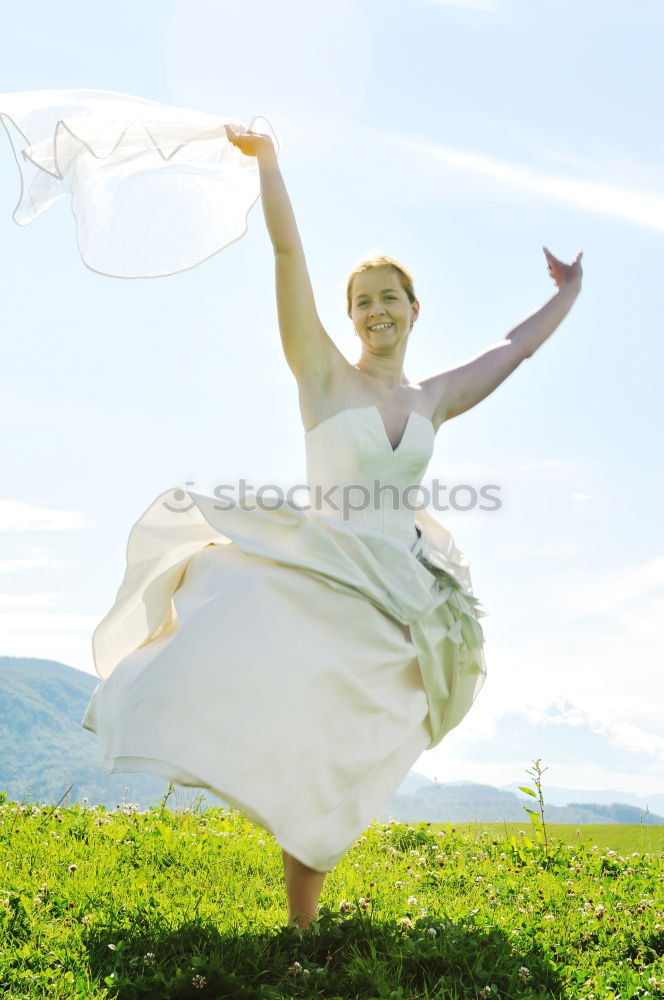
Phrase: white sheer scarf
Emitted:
{"points": [[155, 189]]}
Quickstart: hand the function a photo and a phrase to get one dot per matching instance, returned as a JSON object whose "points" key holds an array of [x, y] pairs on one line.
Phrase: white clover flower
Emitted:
{"points": [[432, 932], [198, 982], [412, 900]]}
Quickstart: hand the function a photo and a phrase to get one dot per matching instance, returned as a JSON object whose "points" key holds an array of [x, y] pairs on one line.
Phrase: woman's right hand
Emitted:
{"points": [[250, 143]]}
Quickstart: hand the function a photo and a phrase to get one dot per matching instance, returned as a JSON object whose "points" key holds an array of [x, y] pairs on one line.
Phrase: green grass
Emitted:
{"points": [[133, 904]]}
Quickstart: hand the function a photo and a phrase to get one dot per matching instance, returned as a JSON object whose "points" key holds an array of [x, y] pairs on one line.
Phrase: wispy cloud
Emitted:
{"points": [[611, 591], [17, 516], [36, 623], [561, 550], [484, 5], [38, 559], [27, 600], [644, 208]]}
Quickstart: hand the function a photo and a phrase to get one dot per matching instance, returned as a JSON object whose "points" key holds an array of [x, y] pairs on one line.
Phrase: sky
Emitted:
{"points": [[459, 137]]}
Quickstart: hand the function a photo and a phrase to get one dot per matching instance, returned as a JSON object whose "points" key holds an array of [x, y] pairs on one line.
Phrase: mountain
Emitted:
{"points": [[465, 801], [45, 749], [564, 796]]}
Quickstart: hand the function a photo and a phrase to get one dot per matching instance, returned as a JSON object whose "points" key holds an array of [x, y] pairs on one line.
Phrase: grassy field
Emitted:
{"points": [[160, 903]]}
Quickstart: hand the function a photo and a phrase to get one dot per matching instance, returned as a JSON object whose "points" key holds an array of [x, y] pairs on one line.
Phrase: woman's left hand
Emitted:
{"points": [[564, 274]]}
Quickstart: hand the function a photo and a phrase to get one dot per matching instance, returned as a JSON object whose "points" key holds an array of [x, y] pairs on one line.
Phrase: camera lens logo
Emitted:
{"points": [[179, 496]]}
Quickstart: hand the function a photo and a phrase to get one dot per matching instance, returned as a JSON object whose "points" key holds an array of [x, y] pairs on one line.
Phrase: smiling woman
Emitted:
{"points": [[295, 660], [379, 261]]}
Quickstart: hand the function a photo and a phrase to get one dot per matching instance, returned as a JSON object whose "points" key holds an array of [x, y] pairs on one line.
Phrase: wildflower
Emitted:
{"points": [[405, 922], [72, 868], [397, 885], [198, 982], [86, 919], [600, 911], [148, 958], [412, 900], [363, 903], [305, 972], [295, 969], [485, 992], [37, 902], [432, 932], [548, 916], [344, 906], [524, 975]]}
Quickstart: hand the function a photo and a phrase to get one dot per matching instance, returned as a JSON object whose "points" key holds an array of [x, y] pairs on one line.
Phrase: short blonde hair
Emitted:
{"points": [[376, 261]]}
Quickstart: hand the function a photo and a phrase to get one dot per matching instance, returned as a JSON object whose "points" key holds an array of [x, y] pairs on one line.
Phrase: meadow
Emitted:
{"points": [[133, 903]]}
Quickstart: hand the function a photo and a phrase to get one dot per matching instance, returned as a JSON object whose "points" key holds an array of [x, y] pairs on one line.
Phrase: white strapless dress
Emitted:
{"points": [[294, 661]]}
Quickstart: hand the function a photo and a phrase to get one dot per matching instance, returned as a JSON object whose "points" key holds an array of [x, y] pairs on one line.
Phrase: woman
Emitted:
{"points": [[297, 662], [383, 308]]}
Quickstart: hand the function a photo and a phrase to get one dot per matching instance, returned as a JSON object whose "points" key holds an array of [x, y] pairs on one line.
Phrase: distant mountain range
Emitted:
{"points": [[45, 749]]}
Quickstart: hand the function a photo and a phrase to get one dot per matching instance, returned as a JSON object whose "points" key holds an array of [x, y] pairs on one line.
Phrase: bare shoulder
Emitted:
{"points": [[433, 391], [324, 390]]}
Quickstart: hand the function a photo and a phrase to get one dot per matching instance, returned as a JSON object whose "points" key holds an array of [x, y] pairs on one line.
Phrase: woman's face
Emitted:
{"points": [[380, 309]]}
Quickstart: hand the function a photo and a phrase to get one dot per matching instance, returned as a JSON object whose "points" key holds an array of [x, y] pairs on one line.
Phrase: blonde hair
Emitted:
{"points": [[376, 261]]}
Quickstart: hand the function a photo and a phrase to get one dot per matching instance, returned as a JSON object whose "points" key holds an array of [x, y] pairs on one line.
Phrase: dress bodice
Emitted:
{"points": [[353, 473]]}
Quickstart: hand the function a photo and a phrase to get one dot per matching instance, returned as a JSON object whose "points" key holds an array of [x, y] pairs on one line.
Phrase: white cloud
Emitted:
{"points": [[645, 208], [40, 622], [561, 550], [39, 559], [18, 516], [610, 591], [74, 650], [484, 5], [27, 600]]}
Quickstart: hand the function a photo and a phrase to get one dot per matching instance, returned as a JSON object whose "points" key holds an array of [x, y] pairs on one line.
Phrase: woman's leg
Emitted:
{"points": [[303, 888]]}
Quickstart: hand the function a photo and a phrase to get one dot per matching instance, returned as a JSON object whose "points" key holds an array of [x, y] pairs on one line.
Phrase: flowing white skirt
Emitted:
{"points": [[306, 714], [297, 666]]}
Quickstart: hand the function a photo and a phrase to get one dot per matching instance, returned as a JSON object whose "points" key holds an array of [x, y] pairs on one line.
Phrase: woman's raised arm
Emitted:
{"points": [[310, 353]]}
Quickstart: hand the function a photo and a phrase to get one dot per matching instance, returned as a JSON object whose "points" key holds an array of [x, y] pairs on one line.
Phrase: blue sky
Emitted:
{"points": [[459, 137]]}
